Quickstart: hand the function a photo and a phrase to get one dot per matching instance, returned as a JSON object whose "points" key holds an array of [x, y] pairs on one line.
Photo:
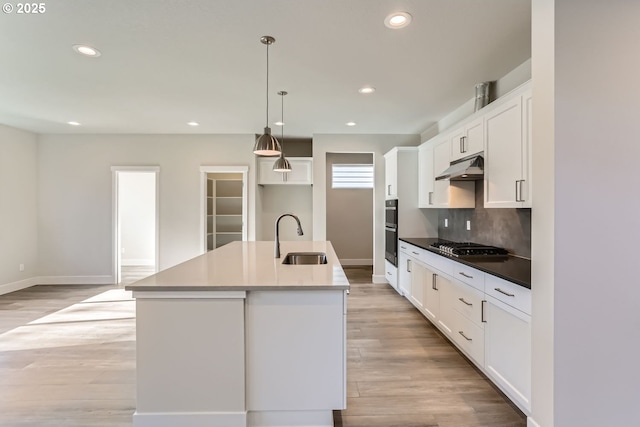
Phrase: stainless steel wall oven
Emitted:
{"points": [[391, 231]]}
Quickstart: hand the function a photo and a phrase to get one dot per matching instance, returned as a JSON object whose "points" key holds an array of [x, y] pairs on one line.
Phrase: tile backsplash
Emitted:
{"points": [[507, 228]]}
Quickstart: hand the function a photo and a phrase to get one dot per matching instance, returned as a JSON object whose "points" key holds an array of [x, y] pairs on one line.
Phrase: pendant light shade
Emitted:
{"points": [[282, 164], [267, 144]]}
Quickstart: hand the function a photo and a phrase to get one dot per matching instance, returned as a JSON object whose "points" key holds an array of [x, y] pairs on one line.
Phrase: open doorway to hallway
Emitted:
{"points": [[350, 206], [136, 223]]}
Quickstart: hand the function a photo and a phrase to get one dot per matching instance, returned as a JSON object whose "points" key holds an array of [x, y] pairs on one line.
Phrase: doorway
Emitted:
{"points": [[224, 210], [350, 206], [135, 236]]}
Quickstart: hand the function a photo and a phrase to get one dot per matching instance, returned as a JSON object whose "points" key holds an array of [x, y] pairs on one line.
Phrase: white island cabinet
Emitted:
{"points": [[236, 338]]}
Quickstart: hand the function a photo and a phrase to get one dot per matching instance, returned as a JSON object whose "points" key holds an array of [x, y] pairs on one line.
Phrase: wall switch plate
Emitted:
{"points": [[468, 225], [21, 267], [446, 222]]}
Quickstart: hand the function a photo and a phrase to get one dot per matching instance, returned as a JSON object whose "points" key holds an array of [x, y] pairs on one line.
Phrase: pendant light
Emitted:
{"points": [[282, 164], [267, 144]]}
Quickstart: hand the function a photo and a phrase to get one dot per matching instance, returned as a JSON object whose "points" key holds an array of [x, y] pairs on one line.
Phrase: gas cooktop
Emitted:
{"points": [[469, 249]]}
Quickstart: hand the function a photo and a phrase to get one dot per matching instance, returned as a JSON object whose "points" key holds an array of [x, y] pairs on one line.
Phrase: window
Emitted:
{"points": [[351, 176]]}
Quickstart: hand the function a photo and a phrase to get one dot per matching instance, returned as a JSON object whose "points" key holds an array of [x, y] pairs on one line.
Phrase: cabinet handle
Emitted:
{"points": [[416, 253], [430, 197], [521, 198], [467, 303], [503, 292], [465, 275], [434, 281], [463, 140], [389, 190], [403, 247], [482, 312], [519, 190], [408, 266], [465, 337], [461, 145]]}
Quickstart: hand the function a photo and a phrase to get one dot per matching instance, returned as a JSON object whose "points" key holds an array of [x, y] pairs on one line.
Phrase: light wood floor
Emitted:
{"points": [[67, 358]]}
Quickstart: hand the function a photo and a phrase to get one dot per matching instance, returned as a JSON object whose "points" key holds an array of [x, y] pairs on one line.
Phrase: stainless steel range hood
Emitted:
{"points": [[468, 169]]}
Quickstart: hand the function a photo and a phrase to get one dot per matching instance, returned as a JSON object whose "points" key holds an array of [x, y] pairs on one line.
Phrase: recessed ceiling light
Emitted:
{"points": [[397, 20], [73, 123], [367, 89], [86, 50], [350, 123], [193, 123], [279, 123]]}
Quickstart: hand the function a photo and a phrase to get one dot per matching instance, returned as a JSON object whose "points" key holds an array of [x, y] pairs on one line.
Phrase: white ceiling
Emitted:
{"points": [[166, 62]]}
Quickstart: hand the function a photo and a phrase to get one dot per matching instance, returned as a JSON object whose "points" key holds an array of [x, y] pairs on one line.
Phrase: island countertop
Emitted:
{"points": [[247, 266]]}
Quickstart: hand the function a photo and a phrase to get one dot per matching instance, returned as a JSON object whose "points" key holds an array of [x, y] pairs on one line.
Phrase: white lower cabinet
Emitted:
{"points": [[486, 317], [508, 350], [391, 274]]}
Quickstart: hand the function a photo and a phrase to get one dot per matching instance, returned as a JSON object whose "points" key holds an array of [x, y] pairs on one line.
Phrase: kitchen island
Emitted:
{"points": [[235, 338]]}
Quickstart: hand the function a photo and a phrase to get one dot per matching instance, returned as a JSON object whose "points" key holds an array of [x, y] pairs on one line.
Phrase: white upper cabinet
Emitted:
{"points": [[426, 177], [507, 174], [433, 159], [301, 172], [391, 174], [467, 140]]}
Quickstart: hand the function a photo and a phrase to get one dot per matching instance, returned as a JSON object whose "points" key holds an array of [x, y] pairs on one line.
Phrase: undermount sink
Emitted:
{"points": [[305, 258]]}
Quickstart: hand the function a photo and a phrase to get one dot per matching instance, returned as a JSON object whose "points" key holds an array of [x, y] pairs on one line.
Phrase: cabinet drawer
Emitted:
{"points": [[468, 302], [409, 249], [511, 294], [469, 275], [438, 262], [391, 274], [469, 337]]}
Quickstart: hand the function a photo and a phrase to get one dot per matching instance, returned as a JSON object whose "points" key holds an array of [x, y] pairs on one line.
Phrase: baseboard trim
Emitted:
{"points": [[190, 419], [290, 418], [74, 280], [16, 286], [379, 279], [532, 423], [356, 261]]}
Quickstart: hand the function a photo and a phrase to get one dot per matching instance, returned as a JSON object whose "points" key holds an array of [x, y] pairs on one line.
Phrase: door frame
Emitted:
{"points": [[204, 170], [115, 224]]}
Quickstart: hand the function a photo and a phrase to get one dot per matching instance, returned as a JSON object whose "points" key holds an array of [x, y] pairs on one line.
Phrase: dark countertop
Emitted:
{"points": [[513, 269]]}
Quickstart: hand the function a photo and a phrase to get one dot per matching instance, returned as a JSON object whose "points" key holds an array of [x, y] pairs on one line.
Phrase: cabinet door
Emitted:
{"points": [[508, 350], [474, 137], [503, 155], [456, 144], [417, 284], [431, 303], [391, 174], [445, 309], [440, 196], [425, 176], [404, 274], [301, 172], [525, 185]]}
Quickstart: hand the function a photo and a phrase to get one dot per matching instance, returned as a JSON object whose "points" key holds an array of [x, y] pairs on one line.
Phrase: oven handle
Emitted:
{"points": [[394, 229]]}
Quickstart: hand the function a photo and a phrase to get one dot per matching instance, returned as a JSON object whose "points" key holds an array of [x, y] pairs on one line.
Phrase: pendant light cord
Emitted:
{"points": [[267, 121], [282, 130]]}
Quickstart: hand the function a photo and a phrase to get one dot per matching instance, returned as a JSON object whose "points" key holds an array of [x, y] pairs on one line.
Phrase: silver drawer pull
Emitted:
{"points": [[465, 337], [467, 303], [465, 275], [403, 247], [504, 293], [415, 253]]}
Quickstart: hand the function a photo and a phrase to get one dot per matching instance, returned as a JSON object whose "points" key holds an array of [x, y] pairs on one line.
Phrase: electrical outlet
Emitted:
{"points": [[468, 225], [446, 222], [21, 267]]}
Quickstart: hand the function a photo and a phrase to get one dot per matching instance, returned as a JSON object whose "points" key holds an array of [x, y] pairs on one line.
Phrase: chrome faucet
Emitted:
{"points": [[300, 233]]}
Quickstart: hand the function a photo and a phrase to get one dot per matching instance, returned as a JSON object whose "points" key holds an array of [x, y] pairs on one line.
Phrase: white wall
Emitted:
{"points": [[378, 144], [75, 203], [18, 208], [137, 209], [350, 214], [597, 206], [280, 199], [543, 214]]}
